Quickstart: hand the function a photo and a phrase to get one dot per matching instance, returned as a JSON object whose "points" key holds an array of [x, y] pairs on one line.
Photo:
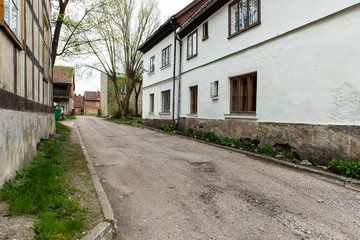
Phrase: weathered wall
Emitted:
{"points": [[321, 142], [91, 107], [19, 134]]}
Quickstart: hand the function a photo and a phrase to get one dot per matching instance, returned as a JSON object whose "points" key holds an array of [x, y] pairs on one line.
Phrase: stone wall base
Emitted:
{"points": [[321, 142], [20, 132]]}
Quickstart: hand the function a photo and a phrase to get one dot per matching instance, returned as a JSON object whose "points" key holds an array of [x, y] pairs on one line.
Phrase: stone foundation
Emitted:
{"points": [[20, 132], [321, 142], [157, 122]]}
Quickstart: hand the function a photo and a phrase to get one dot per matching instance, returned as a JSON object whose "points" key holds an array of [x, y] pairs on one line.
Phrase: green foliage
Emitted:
{"points": [[227, 141], [210, 137], [165, 128], [311, 160], [190, 132], [288, 153], [247, 145], [265, 149], [39, 190], [70, 117], [346, 168]]}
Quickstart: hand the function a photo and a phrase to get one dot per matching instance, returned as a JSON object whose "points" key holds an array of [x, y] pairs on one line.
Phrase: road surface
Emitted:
{"points": [[168, 187]]}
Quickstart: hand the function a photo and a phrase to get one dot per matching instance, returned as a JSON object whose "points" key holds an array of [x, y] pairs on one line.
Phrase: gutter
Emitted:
{"points": [[176, 38]]}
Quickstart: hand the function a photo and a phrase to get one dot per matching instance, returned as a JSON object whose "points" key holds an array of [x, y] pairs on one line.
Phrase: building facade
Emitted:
{"points": [[64, 87], [278, 73], [91, 102], [26, 114]]}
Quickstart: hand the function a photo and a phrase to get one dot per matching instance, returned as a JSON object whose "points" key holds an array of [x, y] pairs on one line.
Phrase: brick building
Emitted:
{"points": [[79, 104], [91, 102]]}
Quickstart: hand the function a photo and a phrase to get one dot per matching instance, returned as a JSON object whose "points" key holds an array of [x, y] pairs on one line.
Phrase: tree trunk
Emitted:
{"points": [[59, 23], [137, 93]]}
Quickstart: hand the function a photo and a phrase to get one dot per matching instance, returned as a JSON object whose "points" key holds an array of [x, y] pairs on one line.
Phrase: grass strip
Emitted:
{"points": [[40, 191]]}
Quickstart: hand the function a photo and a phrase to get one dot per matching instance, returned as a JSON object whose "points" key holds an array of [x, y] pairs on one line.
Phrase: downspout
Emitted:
{"points": [[176, 38]]}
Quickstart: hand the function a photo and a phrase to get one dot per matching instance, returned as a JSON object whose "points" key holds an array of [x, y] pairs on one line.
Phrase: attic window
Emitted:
{"points": [[243, 14]]}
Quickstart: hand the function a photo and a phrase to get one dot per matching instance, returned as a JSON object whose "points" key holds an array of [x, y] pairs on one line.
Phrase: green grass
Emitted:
{"points": [[70, 117], [91, 115], [126, 121], [40, 191]]}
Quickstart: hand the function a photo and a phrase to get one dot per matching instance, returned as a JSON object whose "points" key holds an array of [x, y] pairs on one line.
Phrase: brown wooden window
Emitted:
{"points": [[192, 45], [46, 49], [11, 19], [243, 14], [165, 101], [165, 60], [243, 94], [193, 99], [152, 64], [205, 31], [152, 103]]}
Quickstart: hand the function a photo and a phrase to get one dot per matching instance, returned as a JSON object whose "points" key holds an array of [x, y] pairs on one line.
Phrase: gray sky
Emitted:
{"points": [[90, 81]]}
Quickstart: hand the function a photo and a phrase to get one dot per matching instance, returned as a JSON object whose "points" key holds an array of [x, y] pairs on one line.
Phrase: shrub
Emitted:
{"points": [[247, 145], [346, 168], [288, 153], [227, 141], [189, 132]]}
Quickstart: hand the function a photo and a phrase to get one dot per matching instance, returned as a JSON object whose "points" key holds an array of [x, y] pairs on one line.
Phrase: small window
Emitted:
{"points": [[192, 45], [215, 89], [12, 13], [243, 14], [152, 64], [46, 49], [243, 94], [205, 31], [166, 56], [165, 101], [152, 103], [193, 99]]}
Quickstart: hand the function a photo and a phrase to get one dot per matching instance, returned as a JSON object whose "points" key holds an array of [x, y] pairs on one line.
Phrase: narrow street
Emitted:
{"points": [[167, 187]]}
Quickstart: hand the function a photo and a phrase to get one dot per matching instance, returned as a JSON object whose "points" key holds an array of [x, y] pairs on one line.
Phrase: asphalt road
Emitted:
{"points": [[167, 187]]}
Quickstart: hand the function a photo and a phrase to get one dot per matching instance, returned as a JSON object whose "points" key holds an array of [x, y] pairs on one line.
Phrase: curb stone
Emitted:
{"points": [[345, 182], [104, 230]]}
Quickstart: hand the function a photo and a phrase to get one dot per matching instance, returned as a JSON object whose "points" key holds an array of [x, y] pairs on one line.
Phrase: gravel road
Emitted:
{"points": [[168, 187]]}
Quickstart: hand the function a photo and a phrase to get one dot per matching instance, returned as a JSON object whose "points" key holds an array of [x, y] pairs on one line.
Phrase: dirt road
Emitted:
{"points": [[167, 187]]}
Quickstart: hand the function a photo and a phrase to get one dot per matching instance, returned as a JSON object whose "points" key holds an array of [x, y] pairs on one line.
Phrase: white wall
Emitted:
{"points": [[307, 71]]}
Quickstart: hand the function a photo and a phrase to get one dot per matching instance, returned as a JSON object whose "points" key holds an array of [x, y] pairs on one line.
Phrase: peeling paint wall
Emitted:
{"points": [[20, 132]]}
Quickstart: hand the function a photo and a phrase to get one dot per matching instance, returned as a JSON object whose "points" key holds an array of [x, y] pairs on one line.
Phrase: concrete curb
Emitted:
{"points": [[104, 230], [345, 182]]}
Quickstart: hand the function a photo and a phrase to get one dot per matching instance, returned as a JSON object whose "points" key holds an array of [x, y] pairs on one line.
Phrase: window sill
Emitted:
{"points": [[215, 98], [166, 66], [192, 115], [151, 73], [164, 113], [244, 30], [205, 38], [245, 116], [11, 35], [151, 113], [191, 57]]}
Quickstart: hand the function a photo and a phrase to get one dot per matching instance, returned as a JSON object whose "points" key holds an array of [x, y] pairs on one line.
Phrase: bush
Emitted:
{"points": [[189, 132], [265, 149], [246, 145], [227, 141], [346, 168]]}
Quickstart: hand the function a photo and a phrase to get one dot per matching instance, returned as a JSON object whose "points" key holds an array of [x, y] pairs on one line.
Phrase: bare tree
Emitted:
{"points": [[120, 28]]}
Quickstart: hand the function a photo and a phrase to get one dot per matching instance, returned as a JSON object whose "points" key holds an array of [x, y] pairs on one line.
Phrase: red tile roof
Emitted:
{"points": [[63, 74], [79, 101], [91, 96]]}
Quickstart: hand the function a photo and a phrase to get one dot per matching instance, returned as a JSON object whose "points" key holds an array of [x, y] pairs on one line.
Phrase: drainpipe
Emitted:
{"points": [[176, 38]]}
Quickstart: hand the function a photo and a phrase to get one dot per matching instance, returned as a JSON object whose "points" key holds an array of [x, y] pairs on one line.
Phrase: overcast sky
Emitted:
{"points": [[91, 81]]}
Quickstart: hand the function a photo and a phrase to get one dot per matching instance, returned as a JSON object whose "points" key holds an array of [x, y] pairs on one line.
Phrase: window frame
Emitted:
{"points": [[205, 31], [167, 61], [213, 84], [238, 78], [152, 64], [45, 23], [194, 99], [7, 29], [230, 35], [151, 101], [191, 36], [163, 102]]}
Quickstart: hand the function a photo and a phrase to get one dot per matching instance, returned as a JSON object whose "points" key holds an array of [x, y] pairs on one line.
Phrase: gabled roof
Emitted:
{"points": [[91, 96], [64, 75], [79, 101], [185, 20]]}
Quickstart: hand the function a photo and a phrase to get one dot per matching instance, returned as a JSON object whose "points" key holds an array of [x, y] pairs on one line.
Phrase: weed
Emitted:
{"points": [[210, 137], [227, 141], [265, 149], [288, 153], [165, 128], [247, 145], [346, 168], [190, 132], [311, 160]]}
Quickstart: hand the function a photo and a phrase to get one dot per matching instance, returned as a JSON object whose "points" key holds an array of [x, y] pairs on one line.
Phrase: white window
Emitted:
{"points": [[152, 64], [12, 16], [192, 45], [166, 56], [165, 101]]}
